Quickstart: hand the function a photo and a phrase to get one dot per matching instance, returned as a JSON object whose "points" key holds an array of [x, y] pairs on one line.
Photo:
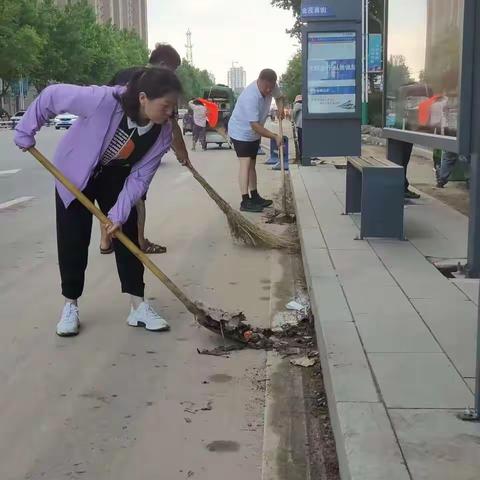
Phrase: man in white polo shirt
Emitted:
{"points": [[246, 127]]}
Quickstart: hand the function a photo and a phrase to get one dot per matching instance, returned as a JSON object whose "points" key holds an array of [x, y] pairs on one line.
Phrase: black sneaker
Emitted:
{"points": [[441, 183], [411, 195], [250, 206], [262, 201]]}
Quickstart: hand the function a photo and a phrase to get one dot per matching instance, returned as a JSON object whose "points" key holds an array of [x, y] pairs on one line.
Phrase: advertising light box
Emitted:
{"points": [[331, 72]]}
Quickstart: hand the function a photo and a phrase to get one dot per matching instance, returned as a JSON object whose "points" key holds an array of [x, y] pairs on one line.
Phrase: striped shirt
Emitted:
{"points": [[130, 142]]}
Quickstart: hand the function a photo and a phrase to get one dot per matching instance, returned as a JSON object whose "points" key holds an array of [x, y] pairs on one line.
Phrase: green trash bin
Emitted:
{"points": [[459, 173]]}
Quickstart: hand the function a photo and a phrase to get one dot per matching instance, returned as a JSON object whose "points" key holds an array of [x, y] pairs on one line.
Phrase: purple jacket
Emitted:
{"points": [[81, 148]]}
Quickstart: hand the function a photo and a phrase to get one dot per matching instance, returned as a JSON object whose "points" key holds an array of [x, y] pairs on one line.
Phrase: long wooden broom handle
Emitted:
{"points": [[280, 132], [191, 307]]}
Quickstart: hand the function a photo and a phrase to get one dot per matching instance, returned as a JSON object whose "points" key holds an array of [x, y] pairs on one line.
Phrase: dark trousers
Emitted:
{"points": [[299, 139], [400, 153], [74, 228], [199, 135]]}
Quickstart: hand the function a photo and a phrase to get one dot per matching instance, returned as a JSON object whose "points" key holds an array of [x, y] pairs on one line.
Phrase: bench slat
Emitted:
{"points": [[371, 162]]}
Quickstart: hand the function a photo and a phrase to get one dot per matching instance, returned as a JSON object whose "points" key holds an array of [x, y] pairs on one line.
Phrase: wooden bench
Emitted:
{"points": [[375, 189]]}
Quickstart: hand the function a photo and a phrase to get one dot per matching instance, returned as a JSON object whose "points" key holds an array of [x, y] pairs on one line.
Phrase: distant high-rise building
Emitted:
{"points": [[237, 78], [125, 14]]}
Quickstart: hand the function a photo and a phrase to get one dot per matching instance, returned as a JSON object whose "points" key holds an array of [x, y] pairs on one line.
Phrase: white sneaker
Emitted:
{"points": [[145, 316], [69, 323]]}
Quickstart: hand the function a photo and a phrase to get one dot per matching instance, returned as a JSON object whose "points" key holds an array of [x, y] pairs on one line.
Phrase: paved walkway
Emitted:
{"points": [[397, 338]]}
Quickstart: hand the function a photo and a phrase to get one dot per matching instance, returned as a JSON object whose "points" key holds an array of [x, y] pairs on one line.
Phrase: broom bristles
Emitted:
{"points": [[241, 228]]}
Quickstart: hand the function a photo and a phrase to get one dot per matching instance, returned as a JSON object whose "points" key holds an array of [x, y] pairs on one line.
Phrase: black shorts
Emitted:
{"points": [[246, 149]]}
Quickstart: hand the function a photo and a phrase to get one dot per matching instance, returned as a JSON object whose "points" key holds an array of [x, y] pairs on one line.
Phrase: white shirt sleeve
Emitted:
{"points": [[252, 109]]}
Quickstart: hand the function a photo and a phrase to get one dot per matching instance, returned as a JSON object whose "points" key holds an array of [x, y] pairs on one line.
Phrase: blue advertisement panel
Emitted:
{"points": [[375, 53], [331, 72]]}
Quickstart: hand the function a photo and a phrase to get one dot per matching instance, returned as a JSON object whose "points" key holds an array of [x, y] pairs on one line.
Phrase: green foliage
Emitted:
{"points": [[20, 43], [46, 44], [193, 80], [291, 80], [398, 74], [293, 5]]}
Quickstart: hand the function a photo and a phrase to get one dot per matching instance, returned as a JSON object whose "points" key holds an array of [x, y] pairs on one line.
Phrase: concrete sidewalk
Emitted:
{"points": [[396, 338]]}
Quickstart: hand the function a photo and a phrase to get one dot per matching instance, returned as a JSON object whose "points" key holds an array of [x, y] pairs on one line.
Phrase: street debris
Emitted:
{"points": [[208, 407], [281, 320], [279, 218], [221, 351], [189, 407], [293, 305], [304, 362]]}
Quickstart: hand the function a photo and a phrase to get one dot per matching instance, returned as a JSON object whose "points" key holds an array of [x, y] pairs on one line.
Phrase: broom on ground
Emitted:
{"points": [[242, 229]]}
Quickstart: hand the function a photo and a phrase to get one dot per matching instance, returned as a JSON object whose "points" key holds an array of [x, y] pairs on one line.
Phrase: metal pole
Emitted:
{"points": [[365, 4], [477, 375], [367, 31], [474, 218], [363, 56], [22, 97], [473, 415], [473, 262]]}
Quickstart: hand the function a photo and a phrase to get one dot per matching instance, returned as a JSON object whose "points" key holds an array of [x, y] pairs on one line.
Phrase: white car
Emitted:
{"points": [[64, 120], [17, 117]]}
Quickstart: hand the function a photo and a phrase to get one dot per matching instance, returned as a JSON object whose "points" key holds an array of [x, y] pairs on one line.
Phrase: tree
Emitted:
{"points": [[398, 74], [66, 53], [194, 80], [45, 43], [20, 43], [295, 6], [78, 50], [291, 80]]}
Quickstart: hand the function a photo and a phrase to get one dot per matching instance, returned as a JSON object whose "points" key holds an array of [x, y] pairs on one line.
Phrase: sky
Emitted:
{"points": [[408, 38], [250, 32]]}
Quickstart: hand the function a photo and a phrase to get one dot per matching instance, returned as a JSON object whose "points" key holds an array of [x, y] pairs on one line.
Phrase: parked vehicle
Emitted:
{"points": [[224, 97], [64, 120], [4, 119], [16, 117]]}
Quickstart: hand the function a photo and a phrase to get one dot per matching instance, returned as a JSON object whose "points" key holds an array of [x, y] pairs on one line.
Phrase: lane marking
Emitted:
{"points": [[15, 202], [9, 172]]}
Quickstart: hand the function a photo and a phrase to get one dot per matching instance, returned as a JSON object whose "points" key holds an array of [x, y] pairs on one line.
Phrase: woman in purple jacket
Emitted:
{"points": [[111, 153]]}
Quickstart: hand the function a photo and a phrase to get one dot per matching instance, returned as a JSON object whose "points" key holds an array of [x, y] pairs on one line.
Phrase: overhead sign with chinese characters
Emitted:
{"points": [[331, 81], [312, 9]]}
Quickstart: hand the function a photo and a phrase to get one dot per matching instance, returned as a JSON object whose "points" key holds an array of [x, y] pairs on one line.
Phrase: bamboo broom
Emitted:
{"points": [[228, 325]]}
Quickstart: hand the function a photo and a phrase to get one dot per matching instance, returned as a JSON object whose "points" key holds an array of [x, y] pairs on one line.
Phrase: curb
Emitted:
{"points": [[366, 445], [285, 440]]}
